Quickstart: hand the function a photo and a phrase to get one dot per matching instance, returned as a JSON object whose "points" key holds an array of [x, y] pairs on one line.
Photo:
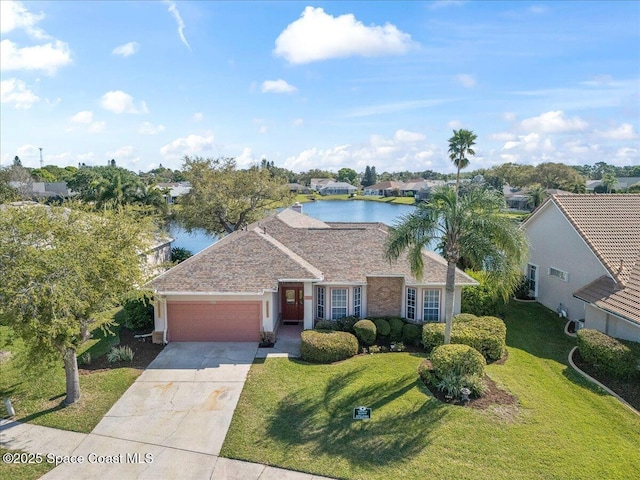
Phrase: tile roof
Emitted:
{"points": [[609, 224], [290, 245]]}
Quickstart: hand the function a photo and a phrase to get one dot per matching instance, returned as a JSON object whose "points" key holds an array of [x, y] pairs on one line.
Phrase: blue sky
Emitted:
{"points": [[320, 85]]}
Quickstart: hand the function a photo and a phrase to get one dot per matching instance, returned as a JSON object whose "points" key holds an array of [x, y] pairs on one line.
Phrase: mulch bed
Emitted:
{"points": [[493, 396], [144, 353], [629, 390]]}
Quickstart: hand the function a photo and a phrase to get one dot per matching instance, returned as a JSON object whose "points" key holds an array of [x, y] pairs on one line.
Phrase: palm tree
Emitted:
{"points": [[459, 147], [471, 227], [536, 196], [609, 180]]}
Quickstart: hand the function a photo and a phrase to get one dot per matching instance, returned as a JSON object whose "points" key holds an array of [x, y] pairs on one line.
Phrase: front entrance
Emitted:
{"points": [[292, 302]]}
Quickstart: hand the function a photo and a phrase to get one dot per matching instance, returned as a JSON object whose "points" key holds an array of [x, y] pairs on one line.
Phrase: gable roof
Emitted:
{"points": [[608, 223], [295, 247]]}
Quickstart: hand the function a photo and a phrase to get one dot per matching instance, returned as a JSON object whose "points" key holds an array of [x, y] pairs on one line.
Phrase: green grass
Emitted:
{"points": [[20, 471], [297, 415], [37, 395], [303, 198]]}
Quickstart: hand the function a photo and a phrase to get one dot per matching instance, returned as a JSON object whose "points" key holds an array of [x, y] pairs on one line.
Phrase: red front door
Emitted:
{"points": [[292, 303]]}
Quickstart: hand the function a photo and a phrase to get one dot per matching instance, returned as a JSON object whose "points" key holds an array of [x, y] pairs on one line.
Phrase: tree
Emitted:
{"points": [[609, 181], [459, 147], [536, 196], [224, 199], [469, 226], [556, 175], [348, 175], [60, 268], [7, 192], [16, 161], [368, 178]]}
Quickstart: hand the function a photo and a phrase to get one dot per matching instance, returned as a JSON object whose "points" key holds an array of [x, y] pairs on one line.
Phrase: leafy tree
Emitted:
{"points": [[536, 196], [7, 192], [224, 199], [348, 175], [179, 254], [369, 177], [469, 226], [556, 175], [609, 181], [60, 268], [16, 161], [459, 147], [42, 175]]}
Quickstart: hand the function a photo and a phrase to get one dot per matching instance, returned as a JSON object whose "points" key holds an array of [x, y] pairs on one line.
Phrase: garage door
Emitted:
{"points": [[213, 322]]}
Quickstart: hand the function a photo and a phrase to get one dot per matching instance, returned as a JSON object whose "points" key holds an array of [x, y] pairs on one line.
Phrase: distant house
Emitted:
{"points": [[585, 260], [317, 183], [425, 191], [622, 183], [290, 267], [337, 188], [175, 190], [412, 187], [382, 188], [297, 188]]}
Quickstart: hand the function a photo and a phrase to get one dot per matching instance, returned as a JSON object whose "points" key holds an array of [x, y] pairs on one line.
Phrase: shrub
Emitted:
{"points": [[475, 383], [325, 325], [86, 358], [522, 289], [179, 254], [382, 326], [605, 353], [396, 324], [425, 372], [458, 359], [411, 334], [138, 311], [483, 299], [120, 354], [365, 331], [396, 347], [346, 324], [465, 318], [453, 384], [375, 349], [432, 335], [325, 346]]}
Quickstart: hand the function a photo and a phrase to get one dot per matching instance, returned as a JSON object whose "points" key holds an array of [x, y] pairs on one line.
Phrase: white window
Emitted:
{"points": [[532, 278], [554, 272], [320, 302], [338, 303], [357, 301], [431, 305], [411, 303]]}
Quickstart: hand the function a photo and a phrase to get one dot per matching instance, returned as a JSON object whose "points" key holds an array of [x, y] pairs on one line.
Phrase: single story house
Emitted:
{"points": [[298, 188], [385, 188], [622, 183], [290, 267], [317, 183], [337, 188], [585, 260], [175, 190]]}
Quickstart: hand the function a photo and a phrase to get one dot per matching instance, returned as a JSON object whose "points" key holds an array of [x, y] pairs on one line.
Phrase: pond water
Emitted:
{"points": [[327, 210]]}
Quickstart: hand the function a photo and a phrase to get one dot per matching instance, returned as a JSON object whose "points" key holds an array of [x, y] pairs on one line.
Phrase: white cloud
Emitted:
{"points": [[554, 122], [28, 150], [318, 36], [176, 15], [383, 109], [148, 128], [277, 86], [117, 101], [198, 117], [454, 124], [97, 127], [126, 49], [14, 15], [85, 116], [406, 136], [263, 129], [623, 132], [16, 92], [503, 136], [191, 145], [246, 158], [125, 155], [466, 80], [509, 116], [46, 58], [297, 122]]}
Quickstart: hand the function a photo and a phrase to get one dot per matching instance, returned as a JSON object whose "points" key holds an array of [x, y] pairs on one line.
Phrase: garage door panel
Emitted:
{"points": [[214, 322]]}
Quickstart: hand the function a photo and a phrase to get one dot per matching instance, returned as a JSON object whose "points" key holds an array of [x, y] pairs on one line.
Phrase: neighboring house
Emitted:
{"points": [[293, 268], [622, 183], [425, 192], [42, 190], [297, 188], [158, 256], [317, 183], [585, 260], [383, 188], [175, 190], [337, 188]]}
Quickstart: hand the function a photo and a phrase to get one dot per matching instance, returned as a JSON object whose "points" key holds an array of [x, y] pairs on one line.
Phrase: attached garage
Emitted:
{"points": [[213, 322]]}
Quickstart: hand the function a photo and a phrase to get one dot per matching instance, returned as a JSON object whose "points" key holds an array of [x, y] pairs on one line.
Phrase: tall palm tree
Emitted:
{"points": [[459, 147], [536, 196], [469, 226]]}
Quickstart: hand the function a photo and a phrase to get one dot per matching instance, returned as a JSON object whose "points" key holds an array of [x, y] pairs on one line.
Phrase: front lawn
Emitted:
{"points": [[299, 416], [37, 395]]}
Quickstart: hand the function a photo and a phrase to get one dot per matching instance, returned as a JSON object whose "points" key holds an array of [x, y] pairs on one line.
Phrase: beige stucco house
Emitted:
{"points": [[290, 267], [585, 260]]}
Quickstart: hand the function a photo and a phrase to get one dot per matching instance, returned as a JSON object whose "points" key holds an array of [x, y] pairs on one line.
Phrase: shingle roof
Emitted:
{"points": [[609, 224], [290, 245]]}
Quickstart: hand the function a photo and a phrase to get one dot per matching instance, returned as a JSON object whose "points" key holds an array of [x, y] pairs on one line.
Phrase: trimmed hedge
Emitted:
{"points": [[326, 346], [365, 331], [382, 326], [325, 325], [411, 334], [607, 354], [456, 359], [485, 334], [396, 325], [345, 324]]}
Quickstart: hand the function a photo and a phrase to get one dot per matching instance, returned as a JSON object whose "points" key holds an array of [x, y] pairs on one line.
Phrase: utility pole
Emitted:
{"points": [[41, 162]]}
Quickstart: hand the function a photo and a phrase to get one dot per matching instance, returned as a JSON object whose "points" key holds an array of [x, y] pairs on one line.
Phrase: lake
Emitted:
{"points": [[327, 211]]}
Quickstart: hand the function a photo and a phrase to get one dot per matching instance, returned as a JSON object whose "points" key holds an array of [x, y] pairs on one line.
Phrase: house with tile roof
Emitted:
{"points": [[585, 260], [290, 267]]}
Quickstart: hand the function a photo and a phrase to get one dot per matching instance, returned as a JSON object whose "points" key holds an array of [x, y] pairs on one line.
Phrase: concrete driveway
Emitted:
{"points": [[175, 414]]}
